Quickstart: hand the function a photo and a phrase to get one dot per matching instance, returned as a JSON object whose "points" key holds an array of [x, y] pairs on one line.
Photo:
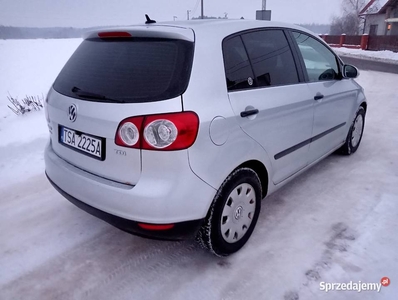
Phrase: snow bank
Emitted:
{"points": [[384, 56]]}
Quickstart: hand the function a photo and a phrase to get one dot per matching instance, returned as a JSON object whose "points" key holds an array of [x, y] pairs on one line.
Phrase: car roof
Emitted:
{"points": [[214, 28], [223, 27]]}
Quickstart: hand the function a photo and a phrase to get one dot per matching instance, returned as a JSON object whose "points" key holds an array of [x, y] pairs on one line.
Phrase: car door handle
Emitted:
{"points": [[318, 97], [248, 113]]}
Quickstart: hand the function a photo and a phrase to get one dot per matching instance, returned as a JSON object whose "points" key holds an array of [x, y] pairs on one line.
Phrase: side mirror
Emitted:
{"points": [[350, 71]]}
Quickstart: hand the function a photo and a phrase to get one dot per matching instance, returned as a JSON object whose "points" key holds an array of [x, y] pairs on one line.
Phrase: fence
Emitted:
{"points": [[365, 42], [353, 39], [332, 39], [383, 42]]}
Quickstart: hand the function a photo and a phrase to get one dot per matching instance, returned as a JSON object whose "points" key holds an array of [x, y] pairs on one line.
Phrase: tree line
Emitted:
{"points": [[9, 32]]}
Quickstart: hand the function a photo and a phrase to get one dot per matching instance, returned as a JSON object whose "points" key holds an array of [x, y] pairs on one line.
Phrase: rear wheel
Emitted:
{"points": [[233, 214], [354, 136]]}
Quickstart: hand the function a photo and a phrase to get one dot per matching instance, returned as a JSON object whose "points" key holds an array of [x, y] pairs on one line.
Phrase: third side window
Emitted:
{"points": [[271, 57], [238, 71], [320, 62]]}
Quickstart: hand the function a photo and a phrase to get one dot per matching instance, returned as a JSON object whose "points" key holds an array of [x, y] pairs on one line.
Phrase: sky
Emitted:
{"points": [[88, 13]]}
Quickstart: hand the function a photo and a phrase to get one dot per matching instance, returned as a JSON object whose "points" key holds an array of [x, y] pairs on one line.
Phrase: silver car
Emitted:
{"points": [[178, 130]]}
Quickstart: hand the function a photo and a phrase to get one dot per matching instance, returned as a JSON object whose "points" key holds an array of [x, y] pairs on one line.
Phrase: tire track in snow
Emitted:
{"points": [[120, 271], [161, 260], [38, 282]]}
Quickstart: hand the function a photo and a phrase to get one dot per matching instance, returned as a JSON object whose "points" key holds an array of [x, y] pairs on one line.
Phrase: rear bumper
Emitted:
{"points": [[180, 231], [168, 192]]}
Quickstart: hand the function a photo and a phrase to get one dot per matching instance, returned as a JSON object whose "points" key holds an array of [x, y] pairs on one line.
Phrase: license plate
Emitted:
{"points": [[82, 142]]}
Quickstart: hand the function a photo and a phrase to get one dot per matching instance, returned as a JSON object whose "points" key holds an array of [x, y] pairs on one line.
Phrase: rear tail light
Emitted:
{"points": [[129, 134], [160, 133], [174, 131]]}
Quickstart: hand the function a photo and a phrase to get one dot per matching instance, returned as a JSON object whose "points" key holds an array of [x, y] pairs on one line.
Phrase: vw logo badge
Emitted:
{"points": [[72, 113]]}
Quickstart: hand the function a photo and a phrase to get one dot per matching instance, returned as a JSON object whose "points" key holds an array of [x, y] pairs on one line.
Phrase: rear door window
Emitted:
{"points": [[271, 58], [127, 70]]}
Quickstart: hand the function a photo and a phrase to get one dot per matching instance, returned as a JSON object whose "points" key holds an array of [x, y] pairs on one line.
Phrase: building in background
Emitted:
{"points": [[381, 17]]}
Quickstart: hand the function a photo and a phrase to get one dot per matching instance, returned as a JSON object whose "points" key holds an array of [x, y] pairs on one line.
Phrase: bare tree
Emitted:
{"points": [[353, 6], [351, 10], [350, 22], [347, 24], [337, 28]]}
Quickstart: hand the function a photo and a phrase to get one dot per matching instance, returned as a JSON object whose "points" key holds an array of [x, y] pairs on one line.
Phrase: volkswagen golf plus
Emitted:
{"points": [[178, 130]]}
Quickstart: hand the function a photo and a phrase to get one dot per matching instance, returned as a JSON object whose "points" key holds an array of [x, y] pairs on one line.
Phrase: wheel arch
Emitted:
{"points": [[261, 171], [364, 105]]}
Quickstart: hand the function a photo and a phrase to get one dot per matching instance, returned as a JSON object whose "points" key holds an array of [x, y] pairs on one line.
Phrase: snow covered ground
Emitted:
{"points": [[384, 56], [335, 223], [27, 67]]}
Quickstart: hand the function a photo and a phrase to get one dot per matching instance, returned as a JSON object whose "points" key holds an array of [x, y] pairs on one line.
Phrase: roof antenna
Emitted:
{"points": [[148, 20]]}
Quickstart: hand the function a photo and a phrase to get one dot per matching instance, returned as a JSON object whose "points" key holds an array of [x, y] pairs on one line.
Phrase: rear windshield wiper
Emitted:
{"points": [[89, 95]]}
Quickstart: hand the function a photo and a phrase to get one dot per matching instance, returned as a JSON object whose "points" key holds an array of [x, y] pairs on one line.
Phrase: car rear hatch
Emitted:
{"points": [[114, 75]]}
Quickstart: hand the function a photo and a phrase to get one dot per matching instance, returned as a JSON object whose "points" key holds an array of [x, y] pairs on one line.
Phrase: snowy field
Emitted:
{"points": [[336, 223]]}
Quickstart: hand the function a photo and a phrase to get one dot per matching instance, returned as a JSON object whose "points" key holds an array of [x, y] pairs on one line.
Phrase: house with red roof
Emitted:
{"points": [[381, 17]]}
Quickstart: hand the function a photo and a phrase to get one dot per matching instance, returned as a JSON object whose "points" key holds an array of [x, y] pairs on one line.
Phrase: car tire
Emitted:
{"points": [[355, 133], [233, 213]]}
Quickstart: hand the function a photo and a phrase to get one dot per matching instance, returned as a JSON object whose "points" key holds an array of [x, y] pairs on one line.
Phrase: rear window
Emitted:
{"points": [[127, 70]]}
